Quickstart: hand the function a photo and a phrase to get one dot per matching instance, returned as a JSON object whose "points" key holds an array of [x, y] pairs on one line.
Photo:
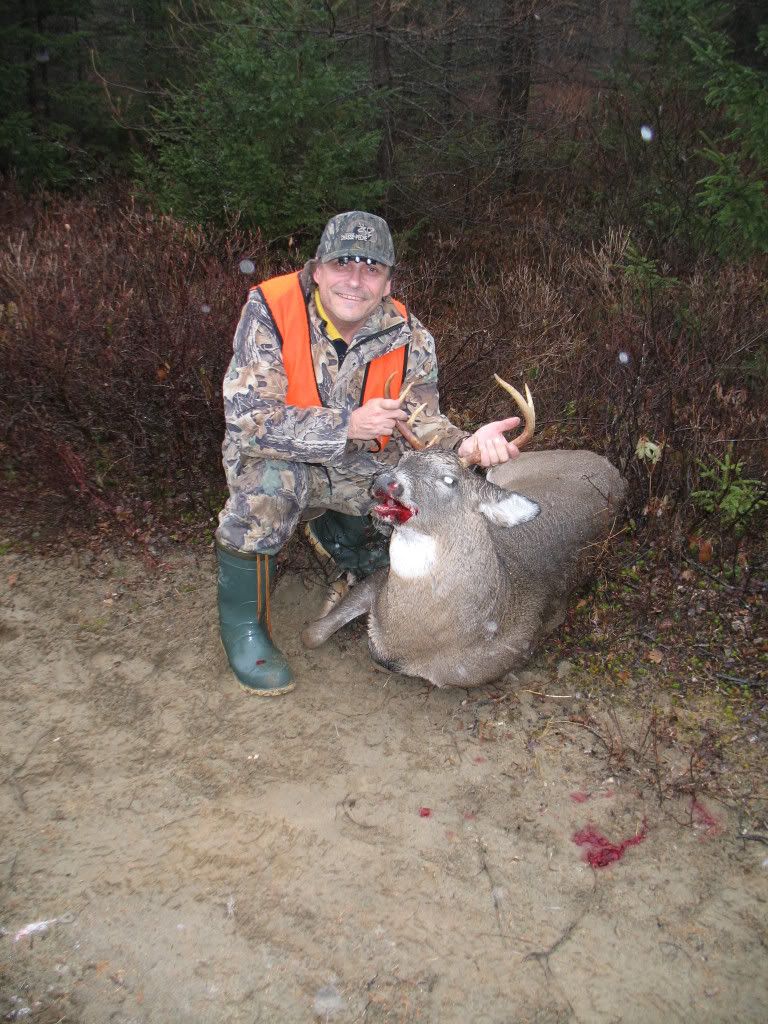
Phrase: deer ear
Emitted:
{"points": [[510, 509]]}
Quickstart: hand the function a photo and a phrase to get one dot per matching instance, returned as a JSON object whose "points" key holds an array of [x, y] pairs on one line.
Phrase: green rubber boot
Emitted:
{"points": [[352, 542], [245, 625]]}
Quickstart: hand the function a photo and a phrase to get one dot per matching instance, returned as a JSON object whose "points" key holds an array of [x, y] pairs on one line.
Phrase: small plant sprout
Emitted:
{"points": [[649, 451]]}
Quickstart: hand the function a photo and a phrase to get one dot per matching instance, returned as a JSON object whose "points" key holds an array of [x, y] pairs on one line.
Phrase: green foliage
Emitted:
{"points": [[56, 124], [733, 196], [644, 272], [274, 132], [736, 206], [696, 173], [735, 500]]}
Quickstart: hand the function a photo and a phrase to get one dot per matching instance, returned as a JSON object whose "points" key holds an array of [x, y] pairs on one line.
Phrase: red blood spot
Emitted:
{"points": [[425, 812], [608, 794], [469, 816], [391, 509], [579, 797], [479, 759], [702, 817], [261, 661], [600, 850]]}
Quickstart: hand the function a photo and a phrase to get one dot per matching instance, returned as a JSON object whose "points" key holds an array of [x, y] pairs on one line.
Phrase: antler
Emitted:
{"points": [[404, 426], [526, 407]]}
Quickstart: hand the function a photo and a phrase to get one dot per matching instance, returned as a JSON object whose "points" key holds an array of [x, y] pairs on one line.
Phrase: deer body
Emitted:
{"points": [[480, 569]]}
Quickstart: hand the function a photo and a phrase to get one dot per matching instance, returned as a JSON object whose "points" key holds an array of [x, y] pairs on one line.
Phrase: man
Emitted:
{"points": [[308, 426]]}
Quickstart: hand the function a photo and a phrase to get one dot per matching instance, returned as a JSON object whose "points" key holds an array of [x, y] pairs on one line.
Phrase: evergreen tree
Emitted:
{"points": [[275, 131], [685, 143]]}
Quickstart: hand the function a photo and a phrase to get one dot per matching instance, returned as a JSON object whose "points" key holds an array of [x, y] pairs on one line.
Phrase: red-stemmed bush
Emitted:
{"points": [[116, 327]]}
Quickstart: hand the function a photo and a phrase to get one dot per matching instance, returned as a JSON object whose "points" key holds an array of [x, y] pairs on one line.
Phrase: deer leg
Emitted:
{"points": [[358, 601]]}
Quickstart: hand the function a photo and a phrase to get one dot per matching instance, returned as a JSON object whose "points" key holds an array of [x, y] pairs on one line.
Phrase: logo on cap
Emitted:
{"points": [[362, 233]]}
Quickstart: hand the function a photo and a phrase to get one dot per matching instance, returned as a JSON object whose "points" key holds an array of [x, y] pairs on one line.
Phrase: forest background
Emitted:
{"points": [[578, 193]]}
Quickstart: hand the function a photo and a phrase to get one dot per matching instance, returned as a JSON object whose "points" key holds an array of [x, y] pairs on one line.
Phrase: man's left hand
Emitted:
{"points": [[489, 440]]}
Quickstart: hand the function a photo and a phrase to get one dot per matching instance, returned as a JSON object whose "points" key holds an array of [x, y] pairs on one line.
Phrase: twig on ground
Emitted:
{"points": [[755, 837], [552, 696], [494, 888], [542, 956]]}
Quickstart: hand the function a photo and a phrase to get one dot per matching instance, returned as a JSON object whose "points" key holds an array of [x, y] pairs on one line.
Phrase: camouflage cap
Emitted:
{"points": [[357, 234]]}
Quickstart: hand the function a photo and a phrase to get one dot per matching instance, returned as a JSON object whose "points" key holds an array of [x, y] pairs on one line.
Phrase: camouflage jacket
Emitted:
{"points": [[259, 424]]}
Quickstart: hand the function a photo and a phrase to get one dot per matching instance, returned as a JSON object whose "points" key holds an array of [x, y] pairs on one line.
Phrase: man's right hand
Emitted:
{"points": [[378, 416]]}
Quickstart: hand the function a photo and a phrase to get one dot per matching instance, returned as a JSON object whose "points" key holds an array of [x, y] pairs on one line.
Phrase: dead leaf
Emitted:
{"points": [[655, 656], [705, 551], [12, 579], [162, 372], [702, 546]]}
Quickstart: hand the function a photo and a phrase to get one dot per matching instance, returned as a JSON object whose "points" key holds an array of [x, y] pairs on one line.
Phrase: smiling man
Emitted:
{"points": [[308, 426]]}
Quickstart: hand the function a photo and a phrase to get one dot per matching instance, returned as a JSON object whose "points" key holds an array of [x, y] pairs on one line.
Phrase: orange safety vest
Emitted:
{"points": [[287, 306]]}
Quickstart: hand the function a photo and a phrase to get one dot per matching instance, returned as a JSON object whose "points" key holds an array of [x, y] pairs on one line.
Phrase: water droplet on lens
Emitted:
{"points": [[205, 308], [647, 133], [624, 358], [247, 266]]}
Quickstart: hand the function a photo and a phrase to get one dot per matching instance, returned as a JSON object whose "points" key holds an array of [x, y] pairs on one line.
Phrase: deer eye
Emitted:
{"points": [[449, 480]]}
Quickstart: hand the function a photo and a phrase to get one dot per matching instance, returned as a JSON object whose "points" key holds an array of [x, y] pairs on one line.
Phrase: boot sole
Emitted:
{"points": [[277, 692]]}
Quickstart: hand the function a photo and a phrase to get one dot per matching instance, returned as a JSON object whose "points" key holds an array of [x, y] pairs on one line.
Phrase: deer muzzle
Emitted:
{"points": [[388, 490]]}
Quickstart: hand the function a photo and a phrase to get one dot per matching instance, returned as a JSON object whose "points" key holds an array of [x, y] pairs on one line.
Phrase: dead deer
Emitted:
{"points": [[480, 567]]}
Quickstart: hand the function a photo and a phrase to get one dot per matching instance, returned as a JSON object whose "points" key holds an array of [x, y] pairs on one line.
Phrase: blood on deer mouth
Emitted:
{"points": [[391, 510]]}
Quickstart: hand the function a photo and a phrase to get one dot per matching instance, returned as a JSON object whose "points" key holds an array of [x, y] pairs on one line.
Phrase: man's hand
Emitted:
{"points": [[491, 443], [378, 416]]}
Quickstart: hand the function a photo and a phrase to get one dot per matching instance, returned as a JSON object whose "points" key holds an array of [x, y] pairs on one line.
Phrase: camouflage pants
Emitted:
{"points": [[267, 498]]}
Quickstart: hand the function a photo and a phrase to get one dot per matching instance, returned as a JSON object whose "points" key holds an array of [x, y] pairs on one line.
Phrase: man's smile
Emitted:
{"points": [[349, 294]]}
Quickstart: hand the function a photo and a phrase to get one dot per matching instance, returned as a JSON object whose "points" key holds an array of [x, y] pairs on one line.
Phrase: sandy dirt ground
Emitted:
{"points": [[365, 849]]}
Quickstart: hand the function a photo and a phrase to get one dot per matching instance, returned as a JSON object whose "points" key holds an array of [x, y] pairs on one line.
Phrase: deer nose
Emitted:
{"points": [[387, 485]]}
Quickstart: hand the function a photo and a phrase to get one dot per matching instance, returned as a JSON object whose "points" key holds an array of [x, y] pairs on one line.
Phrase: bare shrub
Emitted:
{"points": [[617, 351], [116, 327], [115, 330]]}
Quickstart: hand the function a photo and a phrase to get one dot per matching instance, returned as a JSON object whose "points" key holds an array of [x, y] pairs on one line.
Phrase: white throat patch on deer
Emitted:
{"points": [[412, 554]]}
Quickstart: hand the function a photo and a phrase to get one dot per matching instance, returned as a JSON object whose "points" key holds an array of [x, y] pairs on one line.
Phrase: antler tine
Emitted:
{"points": [[416, 413], [526, 407], [403, 394], [409, 436], [404, 427]]}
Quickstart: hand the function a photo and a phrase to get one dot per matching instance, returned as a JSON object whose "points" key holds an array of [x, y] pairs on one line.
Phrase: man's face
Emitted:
{"points": [[350, 293]]}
